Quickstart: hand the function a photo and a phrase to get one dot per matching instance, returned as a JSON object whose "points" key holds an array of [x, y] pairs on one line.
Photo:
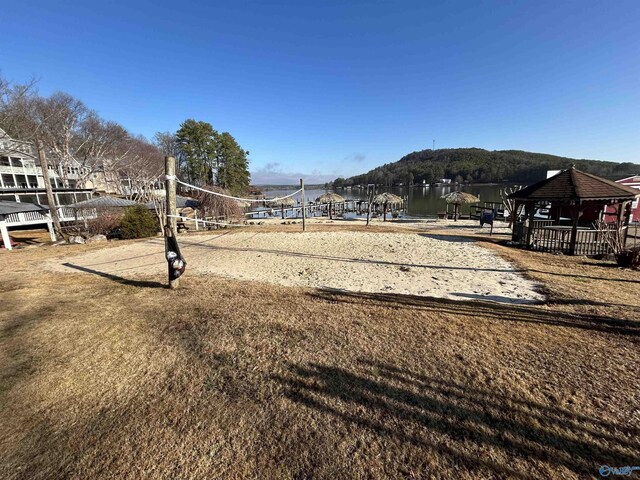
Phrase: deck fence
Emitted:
{"points": [[548, 237]]}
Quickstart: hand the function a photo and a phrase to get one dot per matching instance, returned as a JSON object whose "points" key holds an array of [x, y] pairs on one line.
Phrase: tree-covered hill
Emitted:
{"points": [[478, 165]]}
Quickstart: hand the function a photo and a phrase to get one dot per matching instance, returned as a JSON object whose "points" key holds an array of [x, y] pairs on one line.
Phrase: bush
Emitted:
{"points": [[104, 223], [139, 222], [629, 258]]}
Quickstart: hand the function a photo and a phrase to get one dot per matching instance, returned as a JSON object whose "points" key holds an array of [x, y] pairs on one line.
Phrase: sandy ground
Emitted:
{"points": [[423, 264]]}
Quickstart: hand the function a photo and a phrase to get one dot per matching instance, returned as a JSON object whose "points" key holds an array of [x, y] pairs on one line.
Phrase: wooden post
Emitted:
{"points": [[304, 213], [530, 209], [625, 224], [330, 210], [53, 209], [576, 212], [52, 233], [170, 189], [5, 233]]}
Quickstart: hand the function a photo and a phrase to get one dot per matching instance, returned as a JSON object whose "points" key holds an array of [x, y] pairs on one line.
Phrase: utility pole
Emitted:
{"points": [[304, 213], [171, 223], [434, 145]]}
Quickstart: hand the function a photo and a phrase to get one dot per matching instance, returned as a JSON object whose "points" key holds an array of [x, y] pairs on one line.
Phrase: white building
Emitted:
{"points": [[21, 180]]}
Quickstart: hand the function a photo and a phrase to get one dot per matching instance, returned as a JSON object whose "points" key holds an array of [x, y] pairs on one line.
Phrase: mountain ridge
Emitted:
{"points": [[477, 165]]}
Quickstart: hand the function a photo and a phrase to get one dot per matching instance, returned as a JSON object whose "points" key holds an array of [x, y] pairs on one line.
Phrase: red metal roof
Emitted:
{"points": [[575, 185]]}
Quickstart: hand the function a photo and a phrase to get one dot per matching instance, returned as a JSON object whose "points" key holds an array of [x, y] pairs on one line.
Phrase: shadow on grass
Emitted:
{"points": [[491, 310], [116, 278], [460, 421]]}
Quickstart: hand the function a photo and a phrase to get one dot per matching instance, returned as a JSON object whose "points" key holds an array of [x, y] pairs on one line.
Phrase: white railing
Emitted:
{"points": [[65, 214], [19, 170]]}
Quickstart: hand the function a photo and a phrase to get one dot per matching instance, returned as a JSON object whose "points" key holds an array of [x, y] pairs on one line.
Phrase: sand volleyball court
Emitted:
{"points": [[404, 263]]}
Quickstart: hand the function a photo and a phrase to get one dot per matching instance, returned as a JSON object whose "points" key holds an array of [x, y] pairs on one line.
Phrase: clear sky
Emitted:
{"points": [[336, 88]]}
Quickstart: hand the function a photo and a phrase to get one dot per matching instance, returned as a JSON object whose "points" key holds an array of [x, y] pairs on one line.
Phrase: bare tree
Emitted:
{"points": [[24, 117], [105, 145], [166, 142], [63, 116], [510, 203], [140, 169], [219, 207]]}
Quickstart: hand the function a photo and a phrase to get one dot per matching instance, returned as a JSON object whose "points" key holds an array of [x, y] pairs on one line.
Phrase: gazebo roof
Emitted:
{"points": [[104, 202], [8, 208], [181, 202], [571, 185], [329, 197]]}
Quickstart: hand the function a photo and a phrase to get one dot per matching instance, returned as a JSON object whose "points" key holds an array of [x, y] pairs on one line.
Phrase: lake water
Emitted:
{"points": [[423, 201]]}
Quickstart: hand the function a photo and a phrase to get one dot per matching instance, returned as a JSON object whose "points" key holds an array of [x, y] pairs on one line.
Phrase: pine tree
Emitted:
{"points": [[233, 165], [197, 144]]}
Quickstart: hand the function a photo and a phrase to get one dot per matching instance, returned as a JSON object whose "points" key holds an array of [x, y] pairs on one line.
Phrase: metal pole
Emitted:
{"points": [[170, 188], [304, 215]]}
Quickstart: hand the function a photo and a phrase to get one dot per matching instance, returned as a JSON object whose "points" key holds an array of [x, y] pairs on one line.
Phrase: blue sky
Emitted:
{"points": [[336, 88]]}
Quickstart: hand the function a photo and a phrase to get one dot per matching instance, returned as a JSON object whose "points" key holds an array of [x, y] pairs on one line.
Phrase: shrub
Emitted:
{"points": [[219, 207], [629, 258], [105, 222], [138, 222]]}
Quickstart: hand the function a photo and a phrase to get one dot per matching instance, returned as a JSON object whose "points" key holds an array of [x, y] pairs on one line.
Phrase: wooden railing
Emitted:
{"points": [[314, 210], [476, 211], [588, 241]]}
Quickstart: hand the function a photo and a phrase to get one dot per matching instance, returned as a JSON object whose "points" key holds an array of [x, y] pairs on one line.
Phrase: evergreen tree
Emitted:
{"points": [[233, 165], [197, 144]]}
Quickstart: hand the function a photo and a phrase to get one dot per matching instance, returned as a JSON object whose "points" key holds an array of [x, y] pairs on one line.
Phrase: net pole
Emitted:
{"points": [[304, 213], [171, 223]]}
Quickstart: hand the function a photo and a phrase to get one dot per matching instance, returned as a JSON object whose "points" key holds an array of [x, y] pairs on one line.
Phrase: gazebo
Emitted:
{"points": [[282, 203], [563, 213], [331, 198], [386, 199]]}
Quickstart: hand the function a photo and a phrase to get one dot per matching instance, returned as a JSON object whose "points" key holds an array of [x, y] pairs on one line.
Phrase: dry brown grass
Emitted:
{"points": [[116, 378]]}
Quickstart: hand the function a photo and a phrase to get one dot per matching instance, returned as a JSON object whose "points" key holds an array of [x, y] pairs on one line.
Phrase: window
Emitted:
{"points": [[4, 161], [65, 199], [42, 199], [28, 198], [21, 181], [7, 180], [9, 197]]}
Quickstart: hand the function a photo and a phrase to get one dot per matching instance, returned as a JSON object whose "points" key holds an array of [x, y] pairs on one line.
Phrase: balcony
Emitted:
{"points": [[20, 170], [66, 214]]}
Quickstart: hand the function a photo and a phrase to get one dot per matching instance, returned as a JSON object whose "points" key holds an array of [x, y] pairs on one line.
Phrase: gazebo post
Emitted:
{"points": [[530, 208], [576, 214], [384, 212], [627, 218]]}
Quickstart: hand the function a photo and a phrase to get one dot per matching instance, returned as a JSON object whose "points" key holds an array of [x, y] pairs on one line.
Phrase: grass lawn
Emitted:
{"points": [[109, 378]]}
